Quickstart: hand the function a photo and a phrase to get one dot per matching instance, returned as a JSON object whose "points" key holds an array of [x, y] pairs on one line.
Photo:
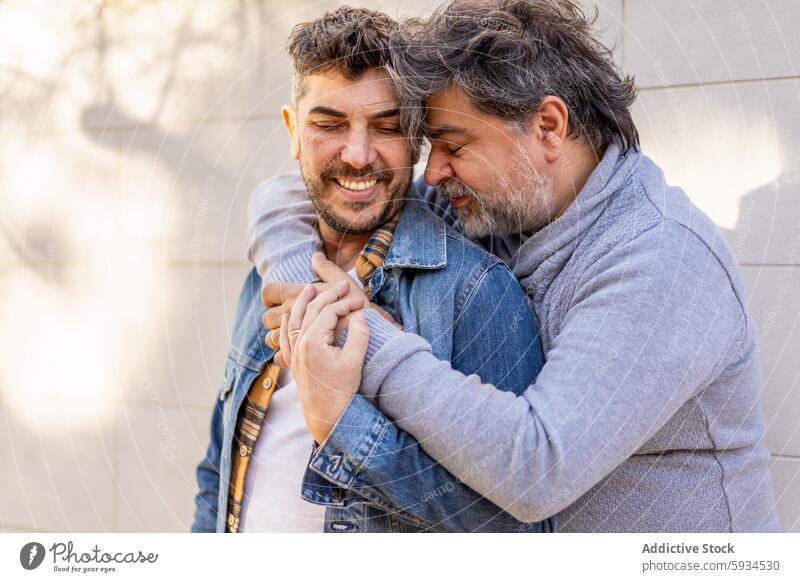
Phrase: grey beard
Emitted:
{"points": [[511, 210]]}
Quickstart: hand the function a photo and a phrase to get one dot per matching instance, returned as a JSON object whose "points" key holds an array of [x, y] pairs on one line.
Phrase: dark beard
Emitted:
{"points": [[393, 204]]}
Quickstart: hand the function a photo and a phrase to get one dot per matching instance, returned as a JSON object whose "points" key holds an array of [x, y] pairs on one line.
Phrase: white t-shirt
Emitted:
{"points": [[272, 501]]}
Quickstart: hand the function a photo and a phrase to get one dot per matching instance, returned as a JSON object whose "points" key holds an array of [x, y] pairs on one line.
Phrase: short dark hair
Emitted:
{"points": [[349, 40], [507, 55]]}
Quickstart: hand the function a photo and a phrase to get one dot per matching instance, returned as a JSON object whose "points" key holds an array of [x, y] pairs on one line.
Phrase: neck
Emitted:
{"points": [[342, 248], [578, 162]]}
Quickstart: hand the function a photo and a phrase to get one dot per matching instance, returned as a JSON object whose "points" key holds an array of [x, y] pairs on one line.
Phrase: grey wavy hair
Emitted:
{"points": [[507, 55]]}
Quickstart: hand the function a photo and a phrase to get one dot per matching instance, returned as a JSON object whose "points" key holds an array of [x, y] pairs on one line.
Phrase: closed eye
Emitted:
{"points": [[327, 126], [450, 147]]}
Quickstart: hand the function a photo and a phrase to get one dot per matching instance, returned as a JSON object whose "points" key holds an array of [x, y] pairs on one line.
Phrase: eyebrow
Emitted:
{"points": [[334, 113], [437, 132]]}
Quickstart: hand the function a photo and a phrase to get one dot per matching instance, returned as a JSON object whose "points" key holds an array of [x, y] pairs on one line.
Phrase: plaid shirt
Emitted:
{"points": [[252, 415]]}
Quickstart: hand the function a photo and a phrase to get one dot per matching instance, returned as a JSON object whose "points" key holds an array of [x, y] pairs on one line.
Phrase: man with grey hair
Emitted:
{"points": [[646, 415]]}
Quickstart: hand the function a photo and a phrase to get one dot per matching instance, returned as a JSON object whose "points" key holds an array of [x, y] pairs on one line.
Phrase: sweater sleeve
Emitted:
{"points": [[647, 327], [282, 230], [282, 226]]}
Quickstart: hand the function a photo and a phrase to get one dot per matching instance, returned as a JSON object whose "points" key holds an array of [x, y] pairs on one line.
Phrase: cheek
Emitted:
{"points": [[467, 174], [503, 169], [395, 153], [318, 148]]}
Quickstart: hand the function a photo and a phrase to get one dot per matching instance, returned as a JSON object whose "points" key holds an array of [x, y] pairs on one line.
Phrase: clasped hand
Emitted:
{"points": [[308, 321]]}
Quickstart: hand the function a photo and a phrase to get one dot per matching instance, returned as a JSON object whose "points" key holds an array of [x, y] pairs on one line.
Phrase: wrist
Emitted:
{"points": [[325, 426]]}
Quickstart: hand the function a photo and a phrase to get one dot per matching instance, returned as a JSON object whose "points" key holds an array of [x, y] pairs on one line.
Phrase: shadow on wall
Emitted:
{"points": [[138, 131], [767, 229], [132, 134]]}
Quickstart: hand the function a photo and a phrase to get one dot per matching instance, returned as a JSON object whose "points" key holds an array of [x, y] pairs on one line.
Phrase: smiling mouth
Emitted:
{"points": [[355, 185]]}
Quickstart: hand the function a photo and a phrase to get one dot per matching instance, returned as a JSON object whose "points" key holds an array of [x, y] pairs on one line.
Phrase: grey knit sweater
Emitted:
{"points": [[646, 415]]}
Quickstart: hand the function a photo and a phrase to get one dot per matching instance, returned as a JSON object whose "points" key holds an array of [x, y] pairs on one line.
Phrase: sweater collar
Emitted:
{"points": [[562, 236]]}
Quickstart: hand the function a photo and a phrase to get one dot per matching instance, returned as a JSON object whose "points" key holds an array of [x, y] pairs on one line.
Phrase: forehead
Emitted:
{"points": [[451, 109], [368, 94]]}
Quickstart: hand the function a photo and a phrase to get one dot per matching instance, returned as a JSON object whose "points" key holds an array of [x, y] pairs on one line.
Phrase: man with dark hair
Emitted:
{"points": [[646, 415], [355, 161]]}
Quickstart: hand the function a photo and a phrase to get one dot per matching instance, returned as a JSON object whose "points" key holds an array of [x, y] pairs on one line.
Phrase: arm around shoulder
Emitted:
{"points": [[646, 328], [282, 230]]}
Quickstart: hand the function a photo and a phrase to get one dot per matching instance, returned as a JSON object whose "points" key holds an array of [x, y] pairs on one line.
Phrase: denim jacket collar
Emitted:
{"points": [[420, 240]]}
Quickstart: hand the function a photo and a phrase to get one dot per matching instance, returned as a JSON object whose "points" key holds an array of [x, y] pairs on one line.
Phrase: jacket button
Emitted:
{"points": [[243, 450], [267, 383], [231, 519], [335, 460]]}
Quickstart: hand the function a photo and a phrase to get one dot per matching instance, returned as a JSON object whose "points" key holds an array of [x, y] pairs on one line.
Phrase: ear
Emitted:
{"points": [[290, 122], [551, 124]]}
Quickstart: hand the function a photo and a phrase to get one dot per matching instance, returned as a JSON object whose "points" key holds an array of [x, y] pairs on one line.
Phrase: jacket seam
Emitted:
{"points": [[470, 244], [364, 492], [471, 286], [365, 461], [245, 361], [358, 468]]}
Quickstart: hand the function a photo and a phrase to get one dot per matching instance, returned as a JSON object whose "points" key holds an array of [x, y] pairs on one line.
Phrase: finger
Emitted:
{"points": [[320, 287], [273, 339], [299, 307], [355, 346], [272, 316], [321, 329], [273, 294], [328, 271], [286, 345], [279, 361], [323, 300]]}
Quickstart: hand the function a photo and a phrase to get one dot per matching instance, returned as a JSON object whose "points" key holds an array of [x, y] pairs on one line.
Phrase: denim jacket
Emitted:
{"points": [[372, 476]]}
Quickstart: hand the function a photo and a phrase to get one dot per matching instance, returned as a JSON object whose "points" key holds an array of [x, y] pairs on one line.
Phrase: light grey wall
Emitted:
{"points": [[131, 136], [720, 109]]}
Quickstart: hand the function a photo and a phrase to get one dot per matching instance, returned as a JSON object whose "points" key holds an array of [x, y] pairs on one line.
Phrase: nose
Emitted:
{"points": [[358, 151], [437, 169]]}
